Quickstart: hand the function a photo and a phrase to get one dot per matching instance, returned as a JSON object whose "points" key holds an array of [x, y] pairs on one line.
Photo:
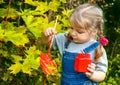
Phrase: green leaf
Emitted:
{"points": [[17, 37], [15, 68], [53, 5], [3, 12], [1, 32], [31, 62], [6, 76], [32, 50], [43, 7], [28, 12], [35, 24], [3, 52], [9, 26], [26, 68], [65, 21], [12, 13], [17, 58], [67, 12], [31, 2], [1, 1]]}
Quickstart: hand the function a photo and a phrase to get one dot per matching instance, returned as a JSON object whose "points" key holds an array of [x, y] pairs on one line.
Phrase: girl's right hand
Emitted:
{"points": [[49, 32]]}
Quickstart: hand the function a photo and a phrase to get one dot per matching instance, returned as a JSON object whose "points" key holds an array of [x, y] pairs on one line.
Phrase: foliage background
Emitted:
{"points": [[21, 26]]}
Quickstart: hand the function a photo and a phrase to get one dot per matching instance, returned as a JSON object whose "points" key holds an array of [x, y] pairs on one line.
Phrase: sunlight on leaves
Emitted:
{"points": [[17, 58], [16, 38], [31, 2], [53, 5], [31, 61], [15, 68]]}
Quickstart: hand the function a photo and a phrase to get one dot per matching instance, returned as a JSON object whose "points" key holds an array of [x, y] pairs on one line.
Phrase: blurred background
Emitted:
{"points": [[21, 26]]}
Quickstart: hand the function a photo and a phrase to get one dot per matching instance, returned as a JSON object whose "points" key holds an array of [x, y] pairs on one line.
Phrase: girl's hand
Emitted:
{"points": [[49, 32], [91, 69], [95, 75]]}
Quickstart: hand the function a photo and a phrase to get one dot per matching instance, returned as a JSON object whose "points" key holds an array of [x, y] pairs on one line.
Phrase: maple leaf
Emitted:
{"points": [[15, 68]]}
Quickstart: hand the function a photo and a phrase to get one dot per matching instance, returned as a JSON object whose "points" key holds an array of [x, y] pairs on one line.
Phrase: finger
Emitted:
{"points": [[49, 32], [88, 74], [53, 31], [46, 32], [91, 70], [92, 66]]}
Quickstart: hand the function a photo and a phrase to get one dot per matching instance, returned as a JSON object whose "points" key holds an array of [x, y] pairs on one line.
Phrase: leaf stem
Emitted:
{"points": [[5, 22]]}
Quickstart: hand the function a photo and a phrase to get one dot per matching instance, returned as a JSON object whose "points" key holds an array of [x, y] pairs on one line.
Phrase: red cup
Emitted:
{"points": [[81, 62]]}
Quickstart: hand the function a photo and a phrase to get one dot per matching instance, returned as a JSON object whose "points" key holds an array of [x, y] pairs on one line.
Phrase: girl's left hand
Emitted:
{"points": [[91, 69]]}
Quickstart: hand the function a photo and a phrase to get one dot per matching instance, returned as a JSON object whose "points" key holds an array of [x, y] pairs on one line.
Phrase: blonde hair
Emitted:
{"points": [[88, 17]]}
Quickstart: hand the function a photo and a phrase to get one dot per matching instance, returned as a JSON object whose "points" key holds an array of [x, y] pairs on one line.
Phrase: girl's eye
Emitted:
{"points": [[71, 28], [80, 32]]}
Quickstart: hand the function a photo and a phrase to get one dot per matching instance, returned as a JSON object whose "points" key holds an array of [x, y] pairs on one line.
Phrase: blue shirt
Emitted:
{"points": [[59, 44]]}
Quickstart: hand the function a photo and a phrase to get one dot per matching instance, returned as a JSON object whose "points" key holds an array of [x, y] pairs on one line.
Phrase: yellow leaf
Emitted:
{"points": [[17, 58], [26, 70], [15, 68]]}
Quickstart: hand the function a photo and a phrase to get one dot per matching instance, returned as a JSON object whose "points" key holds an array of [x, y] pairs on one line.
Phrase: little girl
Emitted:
{"points": [[86, 25]]}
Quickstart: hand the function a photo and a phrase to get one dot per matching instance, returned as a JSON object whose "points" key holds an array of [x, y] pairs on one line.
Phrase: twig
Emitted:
{"points": [[51, 41]]}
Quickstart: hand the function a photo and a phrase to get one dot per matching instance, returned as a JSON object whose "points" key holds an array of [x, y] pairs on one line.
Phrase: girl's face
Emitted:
{"points": [[80, 35]]}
